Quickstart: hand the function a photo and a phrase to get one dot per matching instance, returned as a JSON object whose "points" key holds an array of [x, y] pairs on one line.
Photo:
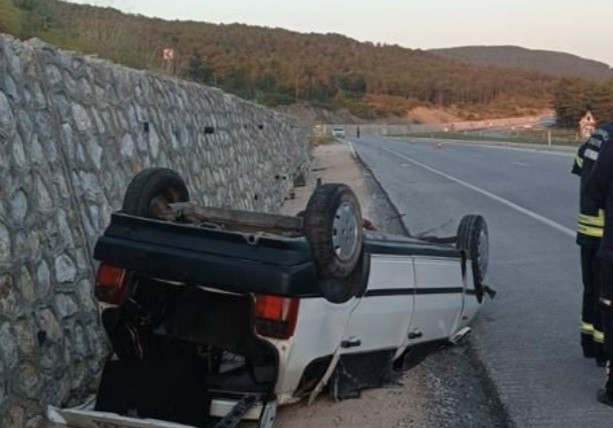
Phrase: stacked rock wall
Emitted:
{"points": [[73, 131]]}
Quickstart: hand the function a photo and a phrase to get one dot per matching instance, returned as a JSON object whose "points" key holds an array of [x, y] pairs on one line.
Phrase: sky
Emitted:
{"points": [[580, 27]]}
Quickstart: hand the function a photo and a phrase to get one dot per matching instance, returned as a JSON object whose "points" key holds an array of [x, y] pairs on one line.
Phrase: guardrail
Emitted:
{"points": [[545, 137], [514, 130]]}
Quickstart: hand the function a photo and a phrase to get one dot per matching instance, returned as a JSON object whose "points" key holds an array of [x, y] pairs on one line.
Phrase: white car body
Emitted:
{"points": [[405, 295], [410, 300], [338, 132]]}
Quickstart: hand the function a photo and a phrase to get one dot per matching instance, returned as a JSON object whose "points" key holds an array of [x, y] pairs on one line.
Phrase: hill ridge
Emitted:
{"points": [[551, 62], [280, 66]]}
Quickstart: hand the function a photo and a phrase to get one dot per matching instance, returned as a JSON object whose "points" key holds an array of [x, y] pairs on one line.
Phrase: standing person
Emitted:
{"points": [[589, 233], [598, 187], [357, 132]]}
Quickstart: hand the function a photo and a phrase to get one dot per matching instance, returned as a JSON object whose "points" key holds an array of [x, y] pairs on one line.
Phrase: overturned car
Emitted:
{"points": [[217, 316]]}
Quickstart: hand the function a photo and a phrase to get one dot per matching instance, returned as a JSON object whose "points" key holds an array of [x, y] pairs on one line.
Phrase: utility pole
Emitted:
{"points": [[175, 42]]}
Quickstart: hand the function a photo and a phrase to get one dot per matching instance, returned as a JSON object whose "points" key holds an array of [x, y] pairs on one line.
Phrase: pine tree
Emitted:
{"points": [[198, 71]]}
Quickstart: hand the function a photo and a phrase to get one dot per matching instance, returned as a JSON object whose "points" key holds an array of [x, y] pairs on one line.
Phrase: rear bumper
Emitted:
{"points": [[221, 259], [225, 273], [85, 416]]}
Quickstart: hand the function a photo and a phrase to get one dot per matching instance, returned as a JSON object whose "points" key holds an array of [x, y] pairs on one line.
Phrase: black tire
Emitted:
{"points": [[151, 187], [341, 290], [333, 227], [473, 238]]}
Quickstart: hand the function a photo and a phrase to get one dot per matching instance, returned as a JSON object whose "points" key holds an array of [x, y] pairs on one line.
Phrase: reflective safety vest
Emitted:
{"points": [[590, 225], [597, 185], [589, 330]]}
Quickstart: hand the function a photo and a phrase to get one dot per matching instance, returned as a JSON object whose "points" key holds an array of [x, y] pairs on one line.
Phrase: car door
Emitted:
{"points": [[439, 297], [383, 316]]}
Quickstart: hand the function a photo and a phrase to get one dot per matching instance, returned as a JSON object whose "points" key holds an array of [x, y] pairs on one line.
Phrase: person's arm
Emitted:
{"points": [[598, 182], [578, 162]]}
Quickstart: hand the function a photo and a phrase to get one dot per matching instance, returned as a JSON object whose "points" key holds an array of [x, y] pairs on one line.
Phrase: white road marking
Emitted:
{"points": [[569, 154], [490, 195], [520, 164], [352, 149]]}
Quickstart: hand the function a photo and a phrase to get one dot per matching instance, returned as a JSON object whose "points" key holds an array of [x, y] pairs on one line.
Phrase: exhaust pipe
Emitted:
{"points": [[460, 336]]}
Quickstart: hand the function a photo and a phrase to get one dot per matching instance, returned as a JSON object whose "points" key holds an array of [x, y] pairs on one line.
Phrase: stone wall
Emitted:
{"points": [[73, 131]]}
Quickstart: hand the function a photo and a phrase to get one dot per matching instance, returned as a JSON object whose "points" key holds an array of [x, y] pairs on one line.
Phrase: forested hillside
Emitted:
{"points": [[573, 97], [275, 66], [553, 63]]}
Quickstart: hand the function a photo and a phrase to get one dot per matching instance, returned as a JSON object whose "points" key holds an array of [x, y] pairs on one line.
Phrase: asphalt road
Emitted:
{"points": [[528, 337]]}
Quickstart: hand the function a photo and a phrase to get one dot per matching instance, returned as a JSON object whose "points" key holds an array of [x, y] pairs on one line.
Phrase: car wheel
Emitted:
{"points": [[333, 227], [473, 238], [151, 189], [341, 290]]}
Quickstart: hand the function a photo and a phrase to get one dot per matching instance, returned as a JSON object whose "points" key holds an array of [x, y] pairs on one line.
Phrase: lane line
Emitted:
{"points": [[352, 149], [487, 145], [512, 205]]}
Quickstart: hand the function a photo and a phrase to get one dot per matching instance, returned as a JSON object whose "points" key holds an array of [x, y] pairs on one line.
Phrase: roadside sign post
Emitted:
{"points": [[587, 126], [168, 55]]}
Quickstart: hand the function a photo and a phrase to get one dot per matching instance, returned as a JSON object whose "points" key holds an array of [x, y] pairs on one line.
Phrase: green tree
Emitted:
{"points": [[572, 99], [268, 91], [10, 18], [198, 71], [37, 17], [602, 102], [351, 84], [321, 91], [238, 82]]}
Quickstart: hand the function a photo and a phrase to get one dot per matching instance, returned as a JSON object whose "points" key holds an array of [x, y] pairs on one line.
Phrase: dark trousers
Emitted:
{"points": [[606, 299], [592, 335]]}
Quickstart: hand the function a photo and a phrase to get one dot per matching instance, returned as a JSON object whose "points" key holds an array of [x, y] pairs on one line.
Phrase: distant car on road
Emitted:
{"points": [[338, 132]]}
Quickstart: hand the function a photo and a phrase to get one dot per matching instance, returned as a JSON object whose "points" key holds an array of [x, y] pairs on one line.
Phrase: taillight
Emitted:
{"points": [[276, 316], [110, 282]]}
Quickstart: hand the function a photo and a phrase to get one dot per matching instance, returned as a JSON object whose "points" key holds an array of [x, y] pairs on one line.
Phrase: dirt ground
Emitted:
{"points": [[431, 115], [333, 163], [449, 389]]}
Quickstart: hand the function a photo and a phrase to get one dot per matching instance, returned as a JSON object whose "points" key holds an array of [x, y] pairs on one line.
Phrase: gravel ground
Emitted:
{"points": [[449, 389]]}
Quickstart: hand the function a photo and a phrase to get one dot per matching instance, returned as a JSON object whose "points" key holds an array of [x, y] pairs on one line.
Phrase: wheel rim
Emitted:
{"points": [[345, 232], [483, 252]]}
